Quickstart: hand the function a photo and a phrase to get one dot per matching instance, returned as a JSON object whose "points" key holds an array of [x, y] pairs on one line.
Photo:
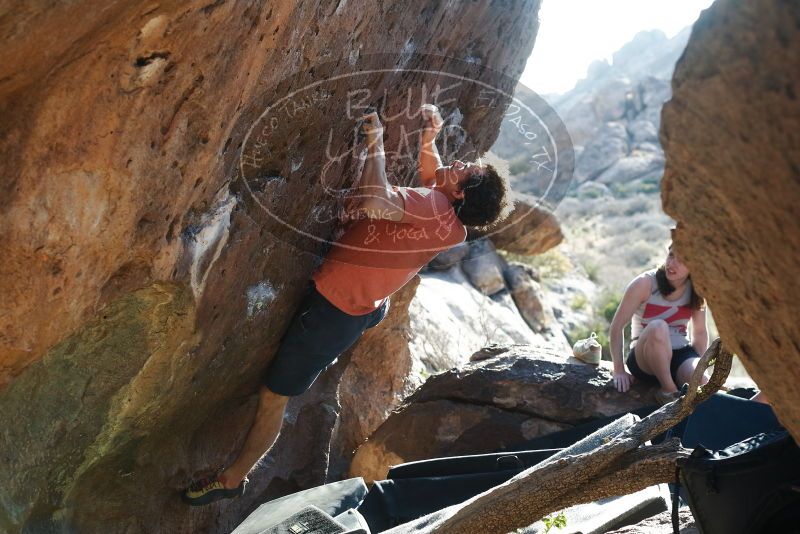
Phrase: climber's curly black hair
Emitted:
{"points": [[485, 201]]}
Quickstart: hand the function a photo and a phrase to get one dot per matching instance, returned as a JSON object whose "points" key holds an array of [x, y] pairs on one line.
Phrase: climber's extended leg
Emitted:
{"points": [[262, 435], [654, 354], [317, 335]]}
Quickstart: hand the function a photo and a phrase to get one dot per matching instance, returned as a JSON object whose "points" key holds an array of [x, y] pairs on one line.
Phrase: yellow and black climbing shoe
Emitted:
{"points": [[210, 489]]}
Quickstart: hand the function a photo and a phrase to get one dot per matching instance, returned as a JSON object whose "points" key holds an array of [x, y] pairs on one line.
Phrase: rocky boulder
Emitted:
{"points": [[523, 283], [323, 427], [518, 394], [730, 134], [662, 524], [633, 86], [448, 258], [529, 229], [639, 165], [483, 267], [600, 154], [376, 375], [151, 261], [613, 99], [654, 92], [642, 131], [450, 320]]}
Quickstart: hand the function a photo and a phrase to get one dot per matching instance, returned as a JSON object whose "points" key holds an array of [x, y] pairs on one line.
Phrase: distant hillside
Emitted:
{"points": [[612, 219], [649, 55], [636, 81], [612, 116]]}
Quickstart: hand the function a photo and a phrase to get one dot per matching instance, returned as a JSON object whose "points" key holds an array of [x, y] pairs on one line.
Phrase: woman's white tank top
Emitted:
{"points": [[676, 313]]}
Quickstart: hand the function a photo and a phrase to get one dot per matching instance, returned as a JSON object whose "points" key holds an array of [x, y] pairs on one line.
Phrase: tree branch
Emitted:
{"points": [[634, 471], [546, 487]]}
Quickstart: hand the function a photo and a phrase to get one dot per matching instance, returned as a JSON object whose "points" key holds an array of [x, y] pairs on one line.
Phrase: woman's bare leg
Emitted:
{"points": [[654, 352]]}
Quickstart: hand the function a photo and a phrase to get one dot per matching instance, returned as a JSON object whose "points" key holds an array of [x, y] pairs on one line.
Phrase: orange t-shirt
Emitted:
{"points": [[376, 257]]}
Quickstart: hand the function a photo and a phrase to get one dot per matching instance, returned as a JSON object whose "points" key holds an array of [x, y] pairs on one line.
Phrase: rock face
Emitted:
{"points": [[662, 524], [324, 426], [519, 394], [613, 117], [144, 287], [637, 166], [615, 229], [601, 153], [620, 149], [450, 320], [446, 259], [529, 229], [484, 268], [632, 88], [523, 283], [731, 182]]}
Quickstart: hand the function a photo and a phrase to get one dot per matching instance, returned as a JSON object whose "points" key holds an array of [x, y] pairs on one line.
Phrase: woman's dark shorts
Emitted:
{"points": [[678, 357], [317, 335]]}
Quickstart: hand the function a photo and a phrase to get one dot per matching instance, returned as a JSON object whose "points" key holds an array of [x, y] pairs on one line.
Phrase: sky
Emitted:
{"points": [[573, 33]]}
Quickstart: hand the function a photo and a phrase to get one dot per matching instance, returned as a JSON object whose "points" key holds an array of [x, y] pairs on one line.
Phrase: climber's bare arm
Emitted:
{"points": [[379, 199], [429, 159], [636, 293]]}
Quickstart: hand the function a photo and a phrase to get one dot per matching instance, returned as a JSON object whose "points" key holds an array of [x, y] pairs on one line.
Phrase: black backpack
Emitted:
{"points": [[750, 487]]}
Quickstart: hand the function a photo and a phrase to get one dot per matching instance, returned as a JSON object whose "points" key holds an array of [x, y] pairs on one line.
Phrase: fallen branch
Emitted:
{"points": [[553, 485], [636, 470]]}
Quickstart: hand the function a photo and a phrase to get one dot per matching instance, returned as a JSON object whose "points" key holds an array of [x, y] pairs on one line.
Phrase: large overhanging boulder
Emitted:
{"points": [[730, 134], [145, 284], [518, 394]]}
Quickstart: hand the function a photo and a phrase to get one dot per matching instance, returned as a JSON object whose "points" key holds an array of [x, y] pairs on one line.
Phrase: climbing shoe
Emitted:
{"points": [[210, 489], [588, 350]]}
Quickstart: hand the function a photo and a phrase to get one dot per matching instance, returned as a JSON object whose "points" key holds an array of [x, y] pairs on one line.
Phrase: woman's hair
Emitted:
{"points": [[485, 199], [696, 302]]}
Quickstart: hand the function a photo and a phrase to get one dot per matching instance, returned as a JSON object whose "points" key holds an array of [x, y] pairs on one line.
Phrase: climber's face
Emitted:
{"points": [[676, 270], [450, 178]]}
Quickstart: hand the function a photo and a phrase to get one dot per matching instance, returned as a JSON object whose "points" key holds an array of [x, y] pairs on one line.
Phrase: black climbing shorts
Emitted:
{"points": [[678, 357], [317, 335]]}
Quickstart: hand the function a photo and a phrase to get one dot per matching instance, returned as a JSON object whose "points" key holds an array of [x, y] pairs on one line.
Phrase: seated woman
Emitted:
{"points": [[660, 305]]}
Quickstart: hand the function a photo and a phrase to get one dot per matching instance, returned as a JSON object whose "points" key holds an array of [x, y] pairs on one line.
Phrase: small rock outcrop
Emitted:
{"points": [[662, 524], [518, 394], [627, 91], [731, 182], [523, 283], [451, 319], [484, 268], [613, 116], [466, 321], [529, 229]]}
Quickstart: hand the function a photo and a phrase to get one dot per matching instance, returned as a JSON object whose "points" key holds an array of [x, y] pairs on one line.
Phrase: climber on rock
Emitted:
{"points": [[400, 229]]}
